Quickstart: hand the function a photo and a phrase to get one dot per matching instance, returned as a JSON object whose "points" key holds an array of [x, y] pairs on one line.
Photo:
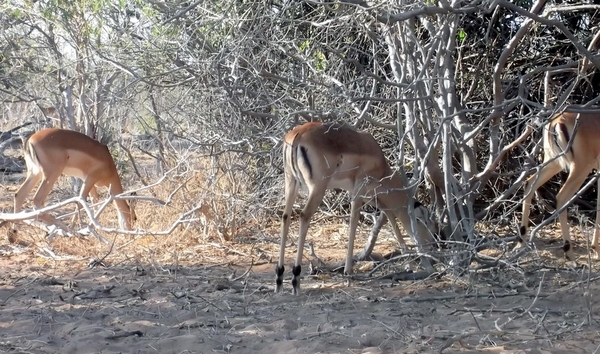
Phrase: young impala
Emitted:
{"points": [[327, 156], [52, 152], [565, 147]]}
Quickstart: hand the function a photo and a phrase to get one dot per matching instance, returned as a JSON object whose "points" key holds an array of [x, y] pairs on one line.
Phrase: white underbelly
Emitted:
{"points": [[75, 172], [345, 184]]}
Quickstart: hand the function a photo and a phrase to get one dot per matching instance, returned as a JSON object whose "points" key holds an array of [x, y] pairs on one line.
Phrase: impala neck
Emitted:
{"points": [[123, 207], [394, 197], [392, 193], [124, 213], [391, 179]]}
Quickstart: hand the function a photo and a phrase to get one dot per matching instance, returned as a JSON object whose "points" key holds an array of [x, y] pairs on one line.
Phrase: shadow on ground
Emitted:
{"points": [[220, 309]]}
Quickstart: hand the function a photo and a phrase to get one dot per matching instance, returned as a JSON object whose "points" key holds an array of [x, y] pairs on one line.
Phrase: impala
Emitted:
{"points": [[52, 152], [326, 156], [570, 142]]}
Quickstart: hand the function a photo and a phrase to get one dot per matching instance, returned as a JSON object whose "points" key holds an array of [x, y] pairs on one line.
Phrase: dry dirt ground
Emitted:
{"points": [[62, 304], [187, 294]]}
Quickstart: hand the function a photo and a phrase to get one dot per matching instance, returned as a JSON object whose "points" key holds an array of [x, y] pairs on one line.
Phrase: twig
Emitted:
{"points": [[468, 296], [126, 334], [500, 327], [370, 244], [193, 297], [492, 166], [12, 294], [514, 309], [403, 276], [245, 273], [458, 338], [101, 260], [585, 281], [396, 258]]}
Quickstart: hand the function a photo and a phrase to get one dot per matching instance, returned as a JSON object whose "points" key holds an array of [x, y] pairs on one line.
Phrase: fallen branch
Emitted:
{"points": [[409, 275], [399, 257], [459, 337], [126, 334], [472, 296]]}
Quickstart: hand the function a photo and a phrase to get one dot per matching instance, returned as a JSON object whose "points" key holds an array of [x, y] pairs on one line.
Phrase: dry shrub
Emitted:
{"points": [[207, 198], [208, 201]]}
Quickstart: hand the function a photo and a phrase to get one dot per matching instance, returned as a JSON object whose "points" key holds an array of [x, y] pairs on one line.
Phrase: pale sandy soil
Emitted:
{"points": [[189, 294], [64, 306]]}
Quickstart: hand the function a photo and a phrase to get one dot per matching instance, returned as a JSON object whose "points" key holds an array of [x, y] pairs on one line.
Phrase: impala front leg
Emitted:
{"points": [[354, 208]]}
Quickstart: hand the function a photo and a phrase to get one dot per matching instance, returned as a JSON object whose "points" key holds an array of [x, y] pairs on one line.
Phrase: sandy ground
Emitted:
{"points": [[70, 307], [194, 295]]}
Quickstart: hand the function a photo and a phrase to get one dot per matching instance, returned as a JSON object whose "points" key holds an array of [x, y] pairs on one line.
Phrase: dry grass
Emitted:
{"points": [[206, 202], [212, 210], [213, 214]]}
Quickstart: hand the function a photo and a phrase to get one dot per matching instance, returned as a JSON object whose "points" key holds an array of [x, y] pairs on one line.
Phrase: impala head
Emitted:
{"points": [[571, 141], [326, 156], [52, 152], [439, 232], [129, 216], [126, 214]]}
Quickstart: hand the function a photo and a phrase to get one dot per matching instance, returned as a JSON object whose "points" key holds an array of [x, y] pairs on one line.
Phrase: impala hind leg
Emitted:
{"points": [[44, 189], [392, 218], [577, 176], [533, 183], [315, 197], [30, 182], [291, 191], [597, 225], [40, 197], [354, 211]]}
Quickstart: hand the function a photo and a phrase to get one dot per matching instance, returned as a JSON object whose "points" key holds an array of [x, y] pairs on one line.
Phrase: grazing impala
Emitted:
{"points": [[326, 156], [52, 152], [570, 142]]}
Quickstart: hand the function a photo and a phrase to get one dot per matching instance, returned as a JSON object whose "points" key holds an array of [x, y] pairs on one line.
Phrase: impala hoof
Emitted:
{"points": [[569, 254], [522, 235], [594, 253], [279, 278], [296, 270]]}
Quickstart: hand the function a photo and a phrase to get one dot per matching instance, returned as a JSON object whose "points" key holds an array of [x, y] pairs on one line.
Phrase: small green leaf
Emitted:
{"points": [[304, 45], [461, 35]]}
